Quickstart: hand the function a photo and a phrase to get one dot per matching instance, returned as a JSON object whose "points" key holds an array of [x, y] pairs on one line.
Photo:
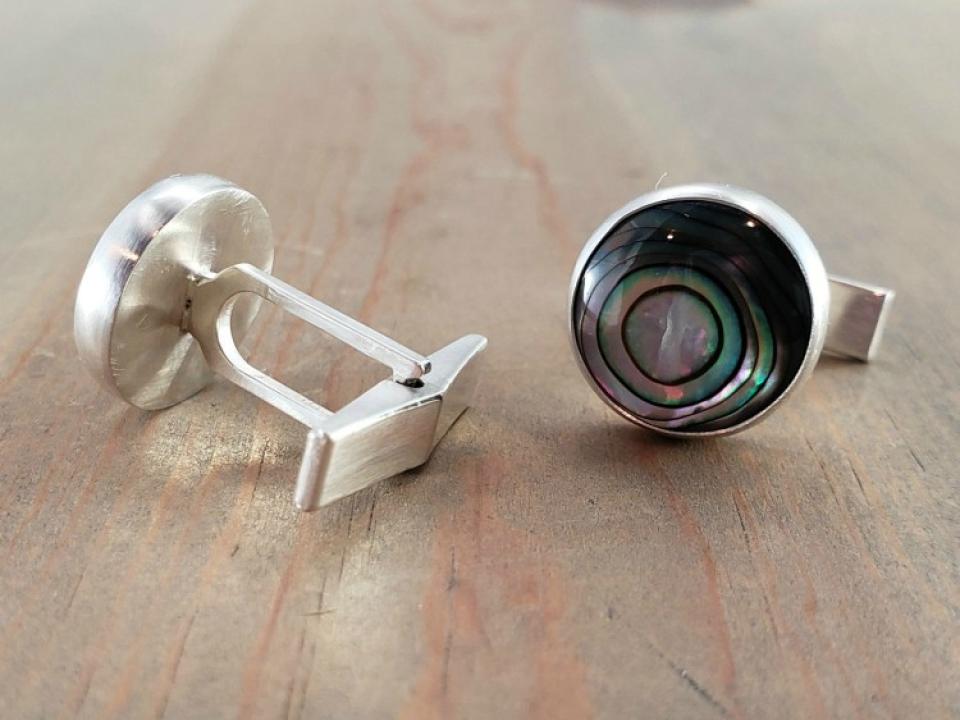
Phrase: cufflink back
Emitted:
{"points": [[695, 310], [175, 282]]}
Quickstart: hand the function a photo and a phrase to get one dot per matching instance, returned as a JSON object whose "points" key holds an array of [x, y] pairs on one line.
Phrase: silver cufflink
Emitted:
{"points": [[169, 293], [696, 310]]}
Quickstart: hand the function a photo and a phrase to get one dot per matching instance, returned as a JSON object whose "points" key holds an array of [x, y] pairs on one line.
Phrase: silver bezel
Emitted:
{"points": [[126, 245], [788, 230]]}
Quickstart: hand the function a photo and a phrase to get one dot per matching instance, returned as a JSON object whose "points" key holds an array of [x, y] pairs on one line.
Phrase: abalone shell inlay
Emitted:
{"points": [[671, 335], [692, 315]]}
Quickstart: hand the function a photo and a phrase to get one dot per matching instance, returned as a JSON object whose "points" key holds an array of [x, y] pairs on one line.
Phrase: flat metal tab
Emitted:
{"points": [[389, 429], [858, 314]]}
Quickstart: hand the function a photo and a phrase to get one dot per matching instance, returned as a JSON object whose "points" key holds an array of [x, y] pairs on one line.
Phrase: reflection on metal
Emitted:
{"points": [[858, 315]]}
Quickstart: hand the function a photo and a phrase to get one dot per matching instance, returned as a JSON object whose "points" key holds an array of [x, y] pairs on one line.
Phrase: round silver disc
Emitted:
{"points": [[129, 318]]}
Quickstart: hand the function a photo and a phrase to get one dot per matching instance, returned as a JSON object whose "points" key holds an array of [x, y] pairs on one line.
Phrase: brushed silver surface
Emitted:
{"points": [[389, 429], [858, 316], [135, 291], [174, 283]]}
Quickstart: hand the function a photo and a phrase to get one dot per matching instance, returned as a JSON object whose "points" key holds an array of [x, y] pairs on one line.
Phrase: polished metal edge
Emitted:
{"points": [[858, 317], [114, 258]]}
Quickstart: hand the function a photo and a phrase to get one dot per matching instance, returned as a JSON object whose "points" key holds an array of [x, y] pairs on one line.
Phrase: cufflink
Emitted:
{"points": [[695, 310], [175, 282]]}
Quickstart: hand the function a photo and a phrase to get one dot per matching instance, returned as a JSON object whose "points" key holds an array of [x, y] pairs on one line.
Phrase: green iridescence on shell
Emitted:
{"points": [[692, 315], [661, 348]]}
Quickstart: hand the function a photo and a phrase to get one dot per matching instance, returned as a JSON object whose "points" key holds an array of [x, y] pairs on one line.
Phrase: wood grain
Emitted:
{"points": [[432, 168]]}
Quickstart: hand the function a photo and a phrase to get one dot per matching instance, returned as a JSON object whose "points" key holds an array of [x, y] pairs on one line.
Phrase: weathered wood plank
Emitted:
{"points": [[432, 168]]}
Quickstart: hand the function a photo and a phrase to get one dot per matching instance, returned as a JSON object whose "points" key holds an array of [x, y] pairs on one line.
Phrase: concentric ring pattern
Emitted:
{"points": [[692, 316]]}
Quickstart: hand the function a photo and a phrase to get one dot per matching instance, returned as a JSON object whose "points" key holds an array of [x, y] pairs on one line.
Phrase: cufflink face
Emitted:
{"points": [[695, 310]]}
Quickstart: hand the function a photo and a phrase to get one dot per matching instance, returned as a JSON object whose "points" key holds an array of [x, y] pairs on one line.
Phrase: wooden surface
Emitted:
{"points": [[433, 168]]}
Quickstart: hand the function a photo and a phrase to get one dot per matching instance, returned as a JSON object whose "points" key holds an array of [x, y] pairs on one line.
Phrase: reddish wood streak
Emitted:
{"points": [[167, 678], [482, 564], [364, 108], [220, 553], [437, 139], [548, 203], [787, 641], [257, 660], [451, 22], [716, 617], [46, 326]]}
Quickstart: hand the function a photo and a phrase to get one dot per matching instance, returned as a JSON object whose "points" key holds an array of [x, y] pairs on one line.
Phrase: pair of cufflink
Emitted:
{"points": [[694, 311]]}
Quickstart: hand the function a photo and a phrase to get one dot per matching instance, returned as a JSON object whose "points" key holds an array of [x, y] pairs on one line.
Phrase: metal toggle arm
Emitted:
{"points": [[392, 427]]}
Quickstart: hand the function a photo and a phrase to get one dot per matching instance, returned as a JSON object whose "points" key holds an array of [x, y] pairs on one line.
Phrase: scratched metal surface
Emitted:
{"points": [[432, 168]]}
